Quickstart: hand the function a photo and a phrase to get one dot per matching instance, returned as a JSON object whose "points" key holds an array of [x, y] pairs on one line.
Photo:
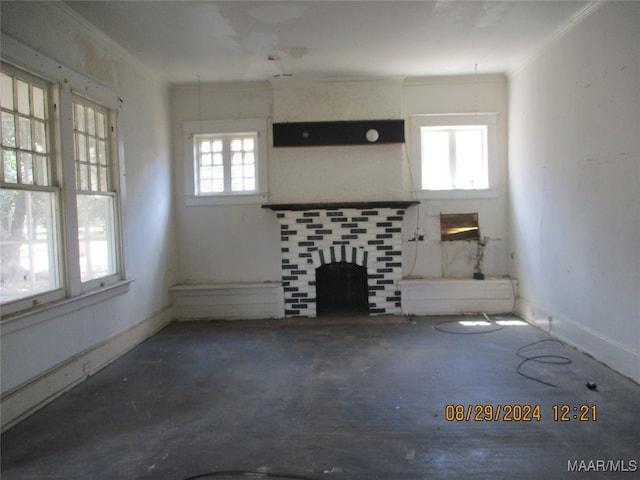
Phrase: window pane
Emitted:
{"points": [[205, 147], [206, 159], [104, 179], [206, 186], [101, 125], [24, 125], [218, 185], [206, 173], [42, 173], [236, 184], [93, 178], [9, 162], [435, 160], [217, 159], [28, 244], [40, 145], [96, 236], [247, 144], [79, 120], [38, 103], [236, 145], [93, 157], [236, 159], [8, 130], [82, 178], [102, 152], [249, 184], [91, 121], [23, 97], [81, 147], [249, 158], [470, 160], [6, 100], [26, 168], [236, 171], [216, 146]]}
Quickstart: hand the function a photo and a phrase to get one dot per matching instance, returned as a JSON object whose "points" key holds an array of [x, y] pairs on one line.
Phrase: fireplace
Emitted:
{"points": [[362, 234], [341, 288]]}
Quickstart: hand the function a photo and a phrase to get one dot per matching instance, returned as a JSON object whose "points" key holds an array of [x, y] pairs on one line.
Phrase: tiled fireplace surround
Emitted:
{"points": [[368, 234]]}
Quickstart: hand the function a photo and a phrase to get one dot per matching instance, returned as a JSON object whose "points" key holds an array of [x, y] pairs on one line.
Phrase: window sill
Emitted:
{"points": [[42, 313], [239, 199], [456, 194]]}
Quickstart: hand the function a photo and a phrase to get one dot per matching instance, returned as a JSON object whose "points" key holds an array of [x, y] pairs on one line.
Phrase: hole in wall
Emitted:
{"points": [[459, 226]]}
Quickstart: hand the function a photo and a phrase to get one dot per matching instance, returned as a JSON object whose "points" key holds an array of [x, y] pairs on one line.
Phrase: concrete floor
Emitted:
{"points": [[350, 398]]}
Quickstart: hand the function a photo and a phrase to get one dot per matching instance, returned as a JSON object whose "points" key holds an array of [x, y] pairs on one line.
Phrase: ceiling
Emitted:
{"points": [[256, 40]]}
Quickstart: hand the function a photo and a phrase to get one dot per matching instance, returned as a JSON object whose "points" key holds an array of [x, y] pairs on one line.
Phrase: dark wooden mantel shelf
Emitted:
{"points": [[338, 205]]}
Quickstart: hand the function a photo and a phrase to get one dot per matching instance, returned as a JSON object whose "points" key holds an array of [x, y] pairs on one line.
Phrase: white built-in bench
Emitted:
{"points": [[436, 296]]}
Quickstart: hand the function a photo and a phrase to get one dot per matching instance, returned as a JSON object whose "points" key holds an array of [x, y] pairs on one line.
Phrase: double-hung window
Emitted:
{"points": [[226, 161], [59, 201], [30, 224], [96, 199], [455, 153]]}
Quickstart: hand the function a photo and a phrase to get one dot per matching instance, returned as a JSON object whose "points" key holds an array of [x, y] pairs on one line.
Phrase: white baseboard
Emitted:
{"points": [[448, 296], [23, 400], [606, 350], [229, 301]]}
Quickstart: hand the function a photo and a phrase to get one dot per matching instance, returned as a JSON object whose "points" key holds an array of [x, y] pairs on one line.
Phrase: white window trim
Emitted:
{"points": [[67, 83], [257, 125], [429, 120]]}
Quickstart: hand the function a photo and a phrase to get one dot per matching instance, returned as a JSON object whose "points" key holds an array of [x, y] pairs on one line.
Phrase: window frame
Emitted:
{"points": [[112, 191], [66, 84], [53, 186], [488, 120], [191, 129]]}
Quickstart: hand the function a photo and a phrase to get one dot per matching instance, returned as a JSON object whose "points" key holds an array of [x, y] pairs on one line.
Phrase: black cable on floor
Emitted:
{"points": [[247, 473], [545, 359]]}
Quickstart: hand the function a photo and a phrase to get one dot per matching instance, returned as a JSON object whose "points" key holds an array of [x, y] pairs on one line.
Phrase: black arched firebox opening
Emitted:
{"points": [[341, 288]]}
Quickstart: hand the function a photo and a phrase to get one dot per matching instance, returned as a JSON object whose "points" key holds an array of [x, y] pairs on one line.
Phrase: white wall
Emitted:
{"points": [[574, 170], [38, 346], [464, 94], [227, 243], [240, 243]]}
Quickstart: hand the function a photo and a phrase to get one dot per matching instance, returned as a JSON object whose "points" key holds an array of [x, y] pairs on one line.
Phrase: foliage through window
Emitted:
{"points": [[29, 223], [96, 201], [51, 195]]}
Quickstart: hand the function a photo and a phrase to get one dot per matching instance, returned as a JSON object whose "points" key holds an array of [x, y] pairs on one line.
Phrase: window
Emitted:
{"points": [[225, 161], [59, 222], [95, 196], [30, 223], [454, 152]]}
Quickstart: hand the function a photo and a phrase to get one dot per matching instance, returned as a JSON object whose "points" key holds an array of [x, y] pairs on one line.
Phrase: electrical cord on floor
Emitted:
{"points": [[247, 473], [545, 359], [438, 326]]}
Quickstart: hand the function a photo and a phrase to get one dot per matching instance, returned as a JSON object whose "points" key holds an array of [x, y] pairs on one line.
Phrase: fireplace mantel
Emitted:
{"points": [[298, 207]]}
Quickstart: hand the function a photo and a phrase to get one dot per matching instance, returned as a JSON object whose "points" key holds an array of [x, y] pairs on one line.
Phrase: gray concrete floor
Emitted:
{"points": [[342, 398]]}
